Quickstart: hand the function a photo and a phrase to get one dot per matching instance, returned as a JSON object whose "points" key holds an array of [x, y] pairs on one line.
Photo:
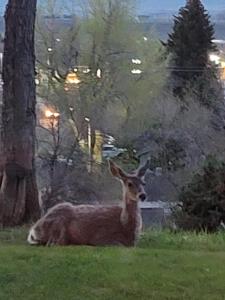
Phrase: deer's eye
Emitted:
{"points": [[130, 184]]}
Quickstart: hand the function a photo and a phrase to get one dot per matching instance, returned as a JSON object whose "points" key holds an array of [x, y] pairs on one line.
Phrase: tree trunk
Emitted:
{"points": [[18, 190]]}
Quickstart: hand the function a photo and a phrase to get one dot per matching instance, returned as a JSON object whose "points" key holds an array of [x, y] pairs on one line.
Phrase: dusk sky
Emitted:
{"points": [[153, 5], [147, 6]]}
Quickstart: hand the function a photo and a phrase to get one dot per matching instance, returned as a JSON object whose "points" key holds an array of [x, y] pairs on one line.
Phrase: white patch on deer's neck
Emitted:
{"points": [[138, 228], [139, 221], [124, 214]]}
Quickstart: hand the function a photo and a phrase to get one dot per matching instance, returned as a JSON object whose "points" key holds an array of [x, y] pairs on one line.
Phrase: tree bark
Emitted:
{"points": [[18, 188]]}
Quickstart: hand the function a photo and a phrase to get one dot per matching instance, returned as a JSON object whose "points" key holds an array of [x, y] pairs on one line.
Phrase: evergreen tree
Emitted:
{"points": [[202, 201], [189, 45]]}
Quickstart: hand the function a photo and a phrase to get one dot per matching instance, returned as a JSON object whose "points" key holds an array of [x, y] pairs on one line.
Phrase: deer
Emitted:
{"points": [[96, 225]]}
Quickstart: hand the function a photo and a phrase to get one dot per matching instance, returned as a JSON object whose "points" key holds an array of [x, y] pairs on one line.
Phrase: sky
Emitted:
{"points": [[147, 6], [156, 5]]}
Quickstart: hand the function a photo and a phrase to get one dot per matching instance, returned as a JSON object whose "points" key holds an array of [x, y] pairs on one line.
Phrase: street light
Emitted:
{"points": [[72, 78], [136, 61], [89, 144], [49, 60], [86, 71], [37, 81], [136, 71], [99, 73], [214, 58], [48, 114], [53, 118], [51, 114]]}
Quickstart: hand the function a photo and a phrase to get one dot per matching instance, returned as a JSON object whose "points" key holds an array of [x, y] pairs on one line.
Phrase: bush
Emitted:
{"points": [[202, 202]]}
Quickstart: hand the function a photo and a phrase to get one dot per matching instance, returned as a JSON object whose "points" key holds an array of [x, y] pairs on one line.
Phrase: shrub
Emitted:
{"points": [[202, 202]]}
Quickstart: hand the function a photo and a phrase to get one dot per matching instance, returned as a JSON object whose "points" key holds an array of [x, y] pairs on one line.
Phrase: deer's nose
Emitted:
{"points": [[142, 197]]}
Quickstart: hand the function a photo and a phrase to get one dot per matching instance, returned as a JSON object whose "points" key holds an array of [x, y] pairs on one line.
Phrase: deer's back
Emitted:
{"points": [[86, 225]]}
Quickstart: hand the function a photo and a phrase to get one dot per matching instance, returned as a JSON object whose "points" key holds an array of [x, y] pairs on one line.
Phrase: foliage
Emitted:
{"points": [[202, 202], [171, 157], [158, 271], [189, 45], [186, 135], [106, 39], [74, 184]]}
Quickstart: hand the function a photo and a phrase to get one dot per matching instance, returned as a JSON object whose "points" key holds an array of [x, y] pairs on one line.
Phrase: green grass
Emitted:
{"points": [[163, 266]]}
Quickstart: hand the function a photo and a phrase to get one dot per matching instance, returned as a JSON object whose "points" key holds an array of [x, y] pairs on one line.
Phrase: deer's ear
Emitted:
{"points": [[142, 169], [116, 171]]}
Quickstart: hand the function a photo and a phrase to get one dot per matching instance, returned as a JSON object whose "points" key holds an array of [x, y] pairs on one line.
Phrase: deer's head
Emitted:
{"points": [[133, 184]]}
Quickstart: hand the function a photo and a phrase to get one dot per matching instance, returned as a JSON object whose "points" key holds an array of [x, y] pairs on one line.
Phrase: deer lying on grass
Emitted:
{"points": [[67, 224]]}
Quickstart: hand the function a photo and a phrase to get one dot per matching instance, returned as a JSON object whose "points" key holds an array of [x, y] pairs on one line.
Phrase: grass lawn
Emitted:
{"points": [[163, 266]]}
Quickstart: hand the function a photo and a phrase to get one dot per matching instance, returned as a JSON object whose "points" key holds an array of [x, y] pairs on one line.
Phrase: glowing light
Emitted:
{"points": [[136, 71], [57, 74], [86, 71], [145, 38], [136, 61], [72, 78], [50, 49], [214, 58], [99, 73], [218, 41], [87, 119], [56, 115], [50, 114]]}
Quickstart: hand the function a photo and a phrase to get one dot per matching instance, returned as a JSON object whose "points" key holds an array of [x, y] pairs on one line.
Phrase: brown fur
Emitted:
{"points": [[67, 224]]}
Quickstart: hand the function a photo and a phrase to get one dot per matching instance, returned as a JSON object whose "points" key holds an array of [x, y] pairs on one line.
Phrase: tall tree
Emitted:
{"points": [[189, 45], [19, 195], [106, 40]]}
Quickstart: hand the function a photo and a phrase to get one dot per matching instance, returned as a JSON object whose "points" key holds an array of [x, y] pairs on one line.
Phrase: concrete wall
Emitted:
{"points": [[153, 217]]}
